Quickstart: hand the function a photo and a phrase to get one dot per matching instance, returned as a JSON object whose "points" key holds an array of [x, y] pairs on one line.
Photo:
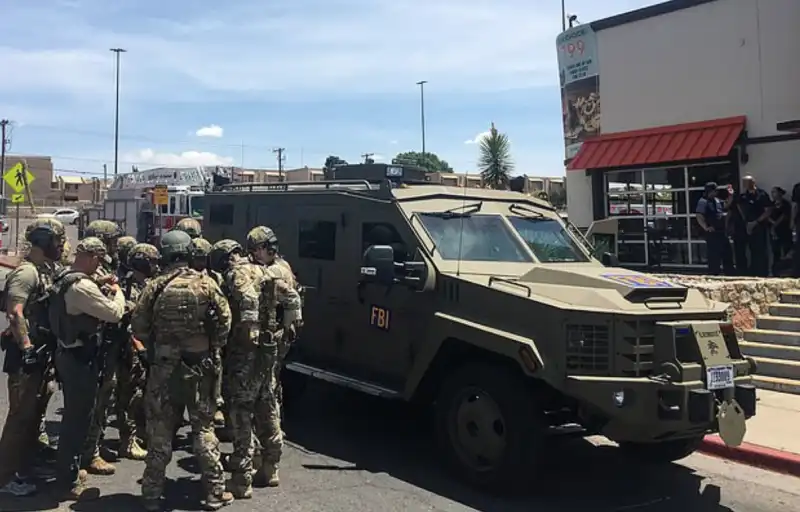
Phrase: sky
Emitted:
{"points": [[225, 83]]}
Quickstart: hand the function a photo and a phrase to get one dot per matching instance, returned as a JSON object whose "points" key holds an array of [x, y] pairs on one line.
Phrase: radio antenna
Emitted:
{"points": [[461, 231]]}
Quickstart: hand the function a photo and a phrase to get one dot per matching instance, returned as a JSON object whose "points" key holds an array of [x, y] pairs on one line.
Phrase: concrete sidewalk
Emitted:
{"points": [[773, 435]]}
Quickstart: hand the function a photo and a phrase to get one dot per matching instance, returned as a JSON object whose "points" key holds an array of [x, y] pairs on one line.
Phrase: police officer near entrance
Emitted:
{"points": [[756, 208], [710, 213], [25, 285], [78, 308]]}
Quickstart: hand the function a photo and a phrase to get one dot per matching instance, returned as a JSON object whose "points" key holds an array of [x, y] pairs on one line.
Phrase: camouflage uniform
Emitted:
{"points": [[186, 319], [66, 255], [28, 390], [279, 268], [110, 233], [132, 374], [189, 226], [251, 361]]}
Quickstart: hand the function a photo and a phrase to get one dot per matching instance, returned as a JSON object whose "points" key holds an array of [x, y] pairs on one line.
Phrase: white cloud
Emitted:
{"points": [[341, 46], [478, 138], [210, 131], [393, 142], [149, 157]]}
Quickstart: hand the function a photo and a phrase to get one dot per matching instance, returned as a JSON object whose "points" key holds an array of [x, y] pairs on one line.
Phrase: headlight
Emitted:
{"points": [[619, 398]]}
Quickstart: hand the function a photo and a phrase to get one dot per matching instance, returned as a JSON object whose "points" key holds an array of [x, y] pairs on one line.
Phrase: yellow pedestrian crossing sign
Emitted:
{"points": [[18, 176], [17, 198]]}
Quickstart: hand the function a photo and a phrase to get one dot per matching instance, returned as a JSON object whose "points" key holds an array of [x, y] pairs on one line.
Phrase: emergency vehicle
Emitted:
{"points": [[130, 201]]}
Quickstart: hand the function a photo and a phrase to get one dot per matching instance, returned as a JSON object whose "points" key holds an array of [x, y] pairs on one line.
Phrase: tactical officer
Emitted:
{"points": [[78, 308], [141, 260], [24, 342], [124, 246], [184, 316], [262, 244], [109, 233], [66, 255], [189, 226], [710, 214]]}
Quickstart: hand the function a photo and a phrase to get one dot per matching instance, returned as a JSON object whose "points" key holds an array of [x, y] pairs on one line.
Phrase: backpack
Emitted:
{"points": [[57, 307], [180, 309]]}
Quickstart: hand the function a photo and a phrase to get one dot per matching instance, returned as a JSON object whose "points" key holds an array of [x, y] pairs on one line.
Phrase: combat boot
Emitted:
{"points": [[152, 505], [130, 449], [79, 492], [267, 476], [99, 466], [242, 491], [217, 501], [219, 418]]}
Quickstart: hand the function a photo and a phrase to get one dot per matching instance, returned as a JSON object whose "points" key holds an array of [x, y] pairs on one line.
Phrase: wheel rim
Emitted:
{"points": [[477, 429]]}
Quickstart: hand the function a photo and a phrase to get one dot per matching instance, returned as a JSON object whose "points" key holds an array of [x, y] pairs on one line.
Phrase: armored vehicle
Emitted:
{"points": [[485, 305]]}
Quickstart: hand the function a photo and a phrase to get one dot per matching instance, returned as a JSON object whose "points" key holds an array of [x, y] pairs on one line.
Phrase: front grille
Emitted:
{"points": [[588, 349], [635, 348]]}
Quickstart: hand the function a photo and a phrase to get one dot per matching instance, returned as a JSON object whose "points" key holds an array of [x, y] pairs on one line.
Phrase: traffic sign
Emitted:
{"points": [[17, 176], [17, 198], [160, 195]]}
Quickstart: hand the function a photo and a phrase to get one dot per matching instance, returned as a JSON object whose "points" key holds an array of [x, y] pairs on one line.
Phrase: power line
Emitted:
{"points": [[281, 158]]}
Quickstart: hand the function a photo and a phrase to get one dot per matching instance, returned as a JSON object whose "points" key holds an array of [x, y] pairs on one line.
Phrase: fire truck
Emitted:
{"points": [[131, 201]]}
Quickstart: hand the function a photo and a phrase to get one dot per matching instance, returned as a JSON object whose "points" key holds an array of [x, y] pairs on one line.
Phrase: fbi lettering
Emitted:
{"points": [[380, 317]]}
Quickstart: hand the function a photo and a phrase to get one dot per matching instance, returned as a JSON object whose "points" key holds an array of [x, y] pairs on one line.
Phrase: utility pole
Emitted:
{"points": [[3, 141], [117, 51], [563, 15], [421, 85], [281, 157], [367, 157]]}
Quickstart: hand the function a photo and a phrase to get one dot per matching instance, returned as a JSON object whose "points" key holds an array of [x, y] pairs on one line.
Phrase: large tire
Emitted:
{"points": [[663, 452], [489, 427]]}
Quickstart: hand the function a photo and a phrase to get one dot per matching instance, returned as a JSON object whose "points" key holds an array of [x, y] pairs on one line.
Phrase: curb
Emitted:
{"points": [[753, 455]]}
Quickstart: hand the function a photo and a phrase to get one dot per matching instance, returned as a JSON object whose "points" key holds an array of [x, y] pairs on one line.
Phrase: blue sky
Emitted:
{"points": [[316, 77]]}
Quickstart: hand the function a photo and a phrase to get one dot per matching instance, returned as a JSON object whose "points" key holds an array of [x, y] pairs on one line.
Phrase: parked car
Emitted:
{"points": [[65, 215]]}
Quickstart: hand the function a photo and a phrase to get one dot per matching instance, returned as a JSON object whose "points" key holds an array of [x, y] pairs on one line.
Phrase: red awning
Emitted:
{"points": [[677, 143]]}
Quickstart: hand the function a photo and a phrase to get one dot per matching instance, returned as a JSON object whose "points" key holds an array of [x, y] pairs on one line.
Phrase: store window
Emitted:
{"points": [[655, 207]]}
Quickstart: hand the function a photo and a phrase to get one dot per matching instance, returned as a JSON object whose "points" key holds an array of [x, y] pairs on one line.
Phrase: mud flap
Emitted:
{"points": [[732, 425]]}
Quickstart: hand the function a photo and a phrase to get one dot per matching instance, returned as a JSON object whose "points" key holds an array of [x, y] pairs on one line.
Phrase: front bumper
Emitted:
{"points": [[646, 409]]}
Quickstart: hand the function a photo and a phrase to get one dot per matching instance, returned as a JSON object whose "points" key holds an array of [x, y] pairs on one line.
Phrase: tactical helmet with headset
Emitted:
{"points": [[262, 236], [46, 237], [221, 252], [144, 258], [175, 246]]}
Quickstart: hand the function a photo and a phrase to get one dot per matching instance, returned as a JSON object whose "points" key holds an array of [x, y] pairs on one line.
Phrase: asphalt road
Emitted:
{"points": [[350, 453]]}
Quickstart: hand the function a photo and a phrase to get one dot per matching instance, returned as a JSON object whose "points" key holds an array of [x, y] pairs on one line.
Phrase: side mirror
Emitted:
{"points": [[377, 265], [610, 260]]}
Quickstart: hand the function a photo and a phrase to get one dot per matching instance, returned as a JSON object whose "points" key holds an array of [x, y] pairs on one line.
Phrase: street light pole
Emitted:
{"points": [[563, 15], [118, 51], [421, 85]]}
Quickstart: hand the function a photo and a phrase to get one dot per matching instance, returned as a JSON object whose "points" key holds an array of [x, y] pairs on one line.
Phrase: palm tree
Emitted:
{"points": [[495, 159]]}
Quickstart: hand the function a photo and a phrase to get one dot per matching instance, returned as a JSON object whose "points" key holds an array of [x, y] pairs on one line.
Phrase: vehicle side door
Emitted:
{"points": [[318, 243], [387, 324]]}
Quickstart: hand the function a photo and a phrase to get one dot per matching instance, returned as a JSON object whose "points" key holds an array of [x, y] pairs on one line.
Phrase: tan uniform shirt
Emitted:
{"points": [[84, 297]]}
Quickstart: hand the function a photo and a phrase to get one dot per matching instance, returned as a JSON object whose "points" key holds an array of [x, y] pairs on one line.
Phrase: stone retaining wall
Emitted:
{"points": [[748, 297]]}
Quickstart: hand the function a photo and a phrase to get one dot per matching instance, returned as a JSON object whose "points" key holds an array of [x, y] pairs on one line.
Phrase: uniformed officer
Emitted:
{"points": [[109, 233], [27, 393], [78, 308], [262, 244], [184, 315]]}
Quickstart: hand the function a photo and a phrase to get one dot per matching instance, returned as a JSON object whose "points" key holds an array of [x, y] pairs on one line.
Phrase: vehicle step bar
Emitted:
{"points": [[341, 380]]}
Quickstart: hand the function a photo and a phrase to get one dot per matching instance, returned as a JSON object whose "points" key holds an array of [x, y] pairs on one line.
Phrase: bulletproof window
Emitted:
{"points": [[221, 214], [383, 233], [317, 240]]}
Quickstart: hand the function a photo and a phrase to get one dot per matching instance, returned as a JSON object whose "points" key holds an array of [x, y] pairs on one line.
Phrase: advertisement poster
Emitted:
{"points": [[580, 86]]}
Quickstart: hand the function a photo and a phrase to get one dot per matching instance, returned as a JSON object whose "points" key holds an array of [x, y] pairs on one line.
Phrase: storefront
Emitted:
{"points": [[691, 91]]}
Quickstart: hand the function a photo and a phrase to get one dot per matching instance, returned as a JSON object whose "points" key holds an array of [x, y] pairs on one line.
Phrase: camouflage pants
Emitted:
{"points": [[168, 389], [25, 413], [131, 378], [253, 406], [97, 427]]}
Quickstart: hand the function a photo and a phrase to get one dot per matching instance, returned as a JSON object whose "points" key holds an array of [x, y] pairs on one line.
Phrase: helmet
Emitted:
{"points": [[125, 244], [189, 226], [92, 245], [105, 230], [200, 247], [143, 252], [221, 251], [261, 236], [41, 231], [175, 245]]}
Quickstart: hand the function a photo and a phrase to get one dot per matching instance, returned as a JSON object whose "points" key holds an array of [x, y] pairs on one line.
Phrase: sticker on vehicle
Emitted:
{"points": [[380, 317], [638, 280]]}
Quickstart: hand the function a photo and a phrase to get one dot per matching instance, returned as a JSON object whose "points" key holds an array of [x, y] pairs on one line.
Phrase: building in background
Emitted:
{"points": [[692, 91]]}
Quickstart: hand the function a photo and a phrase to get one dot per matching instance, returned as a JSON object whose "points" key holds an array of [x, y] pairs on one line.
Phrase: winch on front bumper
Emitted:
{"points": [[696, 382]]}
